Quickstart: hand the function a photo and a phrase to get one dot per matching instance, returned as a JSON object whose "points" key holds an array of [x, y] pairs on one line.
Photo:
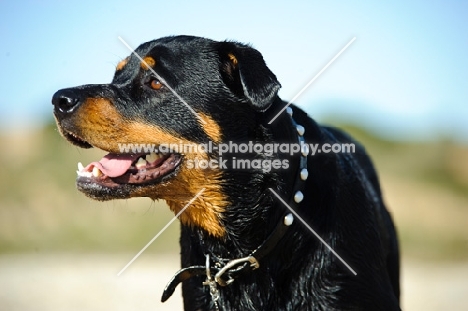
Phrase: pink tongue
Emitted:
{"points": [[114, 165]]}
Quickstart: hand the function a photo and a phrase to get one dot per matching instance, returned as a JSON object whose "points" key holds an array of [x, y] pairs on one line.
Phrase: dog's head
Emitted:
{"points": [[172, 92]]}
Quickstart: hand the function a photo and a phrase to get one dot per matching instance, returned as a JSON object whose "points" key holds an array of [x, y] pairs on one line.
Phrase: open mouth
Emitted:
{"points": [[129, 168], [116, 169]]}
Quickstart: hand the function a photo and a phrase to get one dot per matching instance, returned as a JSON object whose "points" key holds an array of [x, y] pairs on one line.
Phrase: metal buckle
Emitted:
{"points": [[231, 264]]}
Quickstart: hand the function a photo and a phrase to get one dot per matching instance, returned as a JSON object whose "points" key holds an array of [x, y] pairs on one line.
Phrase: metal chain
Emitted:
{"points": [[214, 292]]}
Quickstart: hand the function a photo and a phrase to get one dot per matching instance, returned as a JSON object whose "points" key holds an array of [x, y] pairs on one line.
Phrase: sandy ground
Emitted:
{"points": [[86, 282], [90, 282]]}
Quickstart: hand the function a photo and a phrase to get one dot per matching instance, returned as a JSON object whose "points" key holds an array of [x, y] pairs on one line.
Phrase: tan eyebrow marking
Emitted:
{"points": [[147, 62], [122, 63]]}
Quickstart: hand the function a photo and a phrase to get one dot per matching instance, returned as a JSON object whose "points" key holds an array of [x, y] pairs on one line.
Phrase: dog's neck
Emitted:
{"points": [[261, 189], [225, 261], [287, 185]]}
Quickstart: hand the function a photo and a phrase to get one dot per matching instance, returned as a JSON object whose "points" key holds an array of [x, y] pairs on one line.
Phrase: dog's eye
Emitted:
{"points": [[155, 84]]}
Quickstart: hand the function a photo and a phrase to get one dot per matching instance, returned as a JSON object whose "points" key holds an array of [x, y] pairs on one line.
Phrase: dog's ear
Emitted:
{"points": [[244, 71]]}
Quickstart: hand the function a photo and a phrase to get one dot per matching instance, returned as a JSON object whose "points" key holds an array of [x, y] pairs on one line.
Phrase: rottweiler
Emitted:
{"points": [[264, 225]]}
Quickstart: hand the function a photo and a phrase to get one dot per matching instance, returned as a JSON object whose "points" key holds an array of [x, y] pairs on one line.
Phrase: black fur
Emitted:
{"points": [[343, 201]]}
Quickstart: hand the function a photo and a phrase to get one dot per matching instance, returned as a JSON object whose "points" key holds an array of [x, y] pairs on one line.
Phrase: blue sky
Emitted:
{"points": [[404, 77]]}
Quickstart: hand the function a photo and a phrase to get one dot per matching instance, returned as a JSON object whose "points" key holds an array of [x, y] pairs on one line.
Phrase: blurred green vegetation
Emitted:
{"points": [[442, 162], [425, 185]]}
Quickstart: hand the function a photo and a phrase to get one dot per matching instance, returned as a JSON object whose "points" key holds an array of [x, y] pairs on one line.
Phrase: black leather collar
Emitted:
{"points": [[227, 271]]}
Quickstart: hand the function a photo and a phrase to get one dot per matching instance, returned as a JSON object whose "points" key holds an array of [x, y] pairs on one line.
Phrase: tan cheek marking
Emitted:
{"points": [[205, 211], [122, 64], [104, 127], [210, 127], [148, 62], [98, 123]]}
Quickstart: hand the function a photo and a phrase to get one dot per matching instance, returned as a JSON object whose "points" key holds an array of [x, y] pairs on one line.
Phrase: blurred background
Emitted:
{"points": [[400, 88]]}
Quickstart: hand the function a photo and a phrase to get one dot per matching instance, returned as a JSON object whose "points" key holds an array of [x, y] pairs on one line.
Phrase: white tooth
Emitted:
{"points": [[96, 172], [152, 157], [140, 163], [84, 174], [80, 166]]}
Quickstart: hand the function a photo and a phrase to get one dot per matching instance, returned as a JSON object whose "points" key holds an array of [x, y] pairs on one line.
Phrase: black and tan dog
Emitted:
{"points": [[242, 248]]}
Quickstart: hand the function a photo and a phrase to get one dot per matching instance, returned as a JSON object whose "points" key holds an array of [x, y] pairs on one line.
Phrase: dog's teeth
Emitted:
{"points": [[80, 166], [152, 157], [141, 163], [96, 172], [84, 174]]}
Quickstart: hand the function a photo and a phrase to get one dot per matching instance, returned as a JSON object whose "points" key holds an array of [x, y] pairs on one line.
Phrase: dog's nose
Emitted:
{"points": [[66, 101]]}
